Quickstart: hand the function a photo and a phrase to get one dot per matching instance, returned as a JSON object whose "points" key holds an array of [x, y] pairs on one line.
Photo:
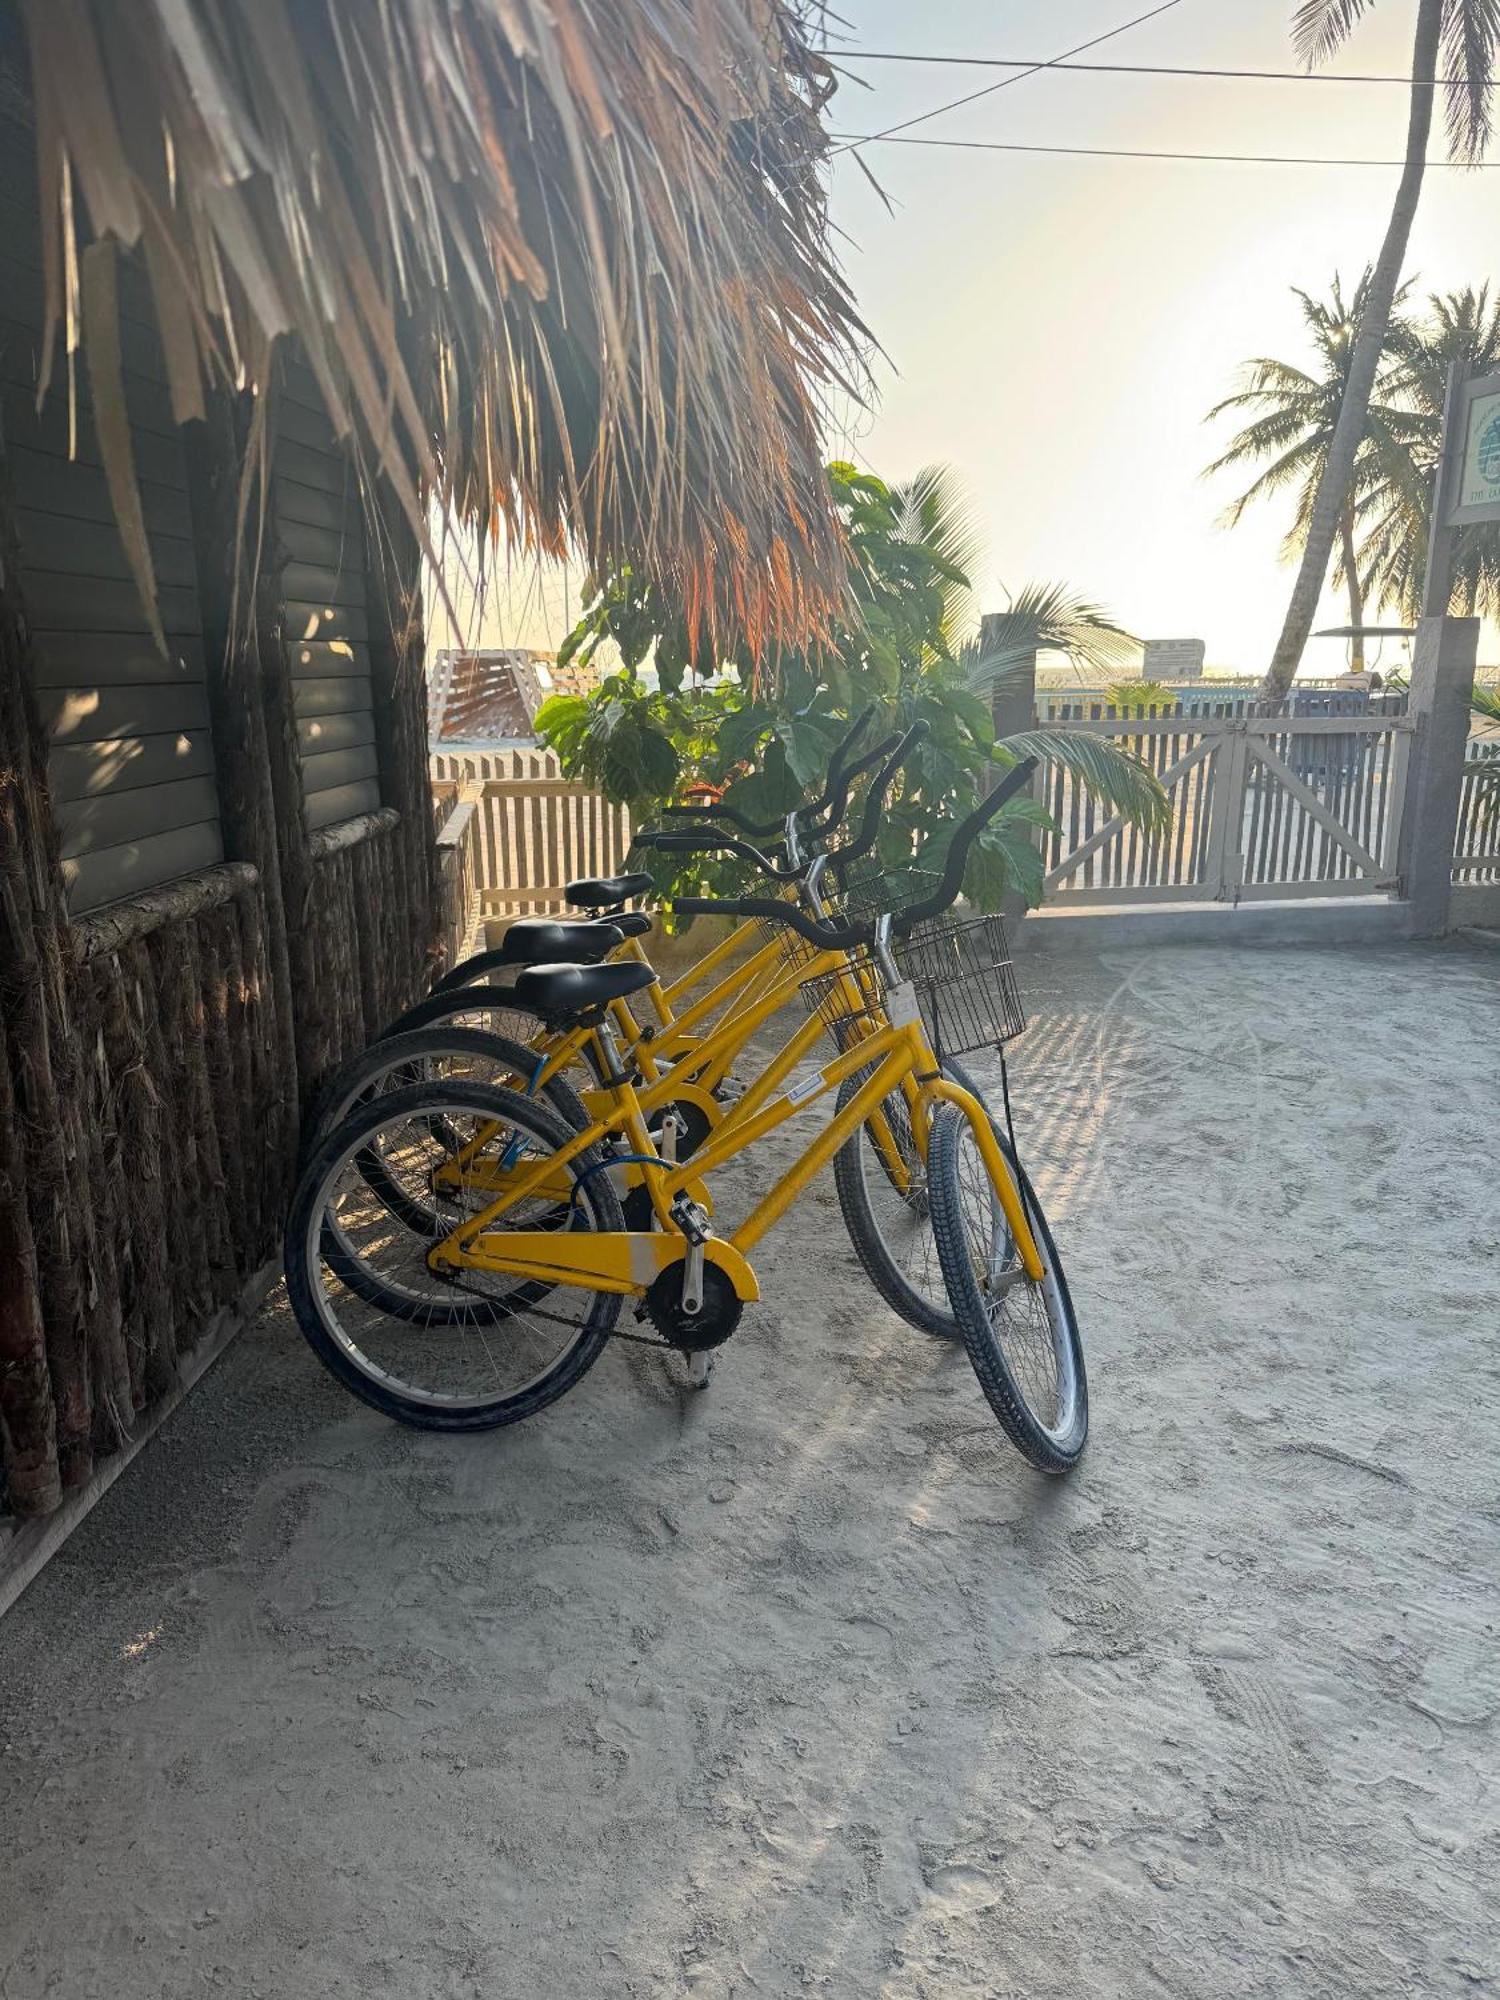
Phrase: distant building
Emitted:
{"points": [[1170, 660], [492, 694]]}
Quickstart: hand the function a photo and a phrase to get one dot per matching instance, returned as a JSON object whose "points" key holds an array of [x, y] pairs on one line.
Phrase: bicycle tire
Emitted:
{"points": [[354, 1079], [929, 1310], [595, 1200], [357, 1081], [1054, 1447], [497, 1004]]}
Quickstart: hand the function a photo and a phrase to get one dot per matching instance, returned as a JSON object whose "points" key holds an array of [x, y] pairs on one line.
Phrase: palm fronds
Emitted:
{"points": [[1470, 40], [1047, 618], [934, 510], [1121, 782], [560, 270]]}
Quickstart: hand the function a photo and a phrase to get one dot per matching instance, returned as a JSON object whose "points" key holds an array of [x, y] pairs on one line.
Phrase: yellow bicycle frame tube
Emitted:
{"points": [[615, 1261]]}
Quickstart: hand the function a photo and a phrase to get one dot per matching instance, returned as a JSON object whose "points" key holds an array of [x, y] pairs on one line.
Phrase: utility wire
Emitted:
{"points": [[989, 89], [1143, 153], [1031, 64]]}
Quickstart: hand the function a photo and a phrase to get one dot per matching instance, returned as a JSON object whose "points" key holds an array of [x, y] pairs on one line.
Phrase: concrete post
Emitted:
{"points": [[1013, 706], [1442, 676]]}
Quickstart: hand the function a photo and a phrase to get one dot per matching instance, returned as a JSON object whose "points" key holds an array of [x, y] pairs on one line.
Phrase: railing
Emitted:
{"points": [[1264, 807], [459, 881], [536, 831], [1476, 848]]}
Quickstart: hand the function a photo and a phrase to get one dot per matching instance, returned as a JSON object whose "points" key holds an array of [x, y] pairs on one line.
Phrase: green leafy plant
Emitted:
{"points": [[1139, 697], [762, 741]]}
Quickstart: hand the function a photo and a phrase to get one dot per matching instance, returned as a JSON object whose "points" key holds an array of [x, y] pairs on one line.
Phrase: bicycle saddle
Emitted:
{"points": [[601, 892], [564, 995], [541, 940]]}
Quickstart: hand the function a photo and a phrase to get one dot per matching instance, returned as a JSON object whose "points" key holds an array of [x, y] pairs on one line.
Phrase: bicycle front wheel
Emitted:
{"points": [[882, 1182], [1022, 1335], [469, 1350]]}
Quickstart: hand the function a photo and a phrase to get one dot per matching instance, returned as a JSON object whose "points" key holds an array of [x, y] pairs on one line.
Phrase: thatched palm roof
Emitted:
{"points": [[559, 266]]}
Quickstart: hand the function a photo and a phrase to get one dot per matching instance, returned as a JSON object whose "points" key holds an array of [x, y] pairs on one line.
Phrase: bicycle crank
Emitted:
{"points": [[715, 1319]]}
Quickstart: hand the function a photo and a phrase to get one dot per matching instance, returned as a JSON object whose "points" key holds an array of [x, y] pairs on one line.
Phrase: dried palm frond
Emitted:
{"points": [[559, 267]]}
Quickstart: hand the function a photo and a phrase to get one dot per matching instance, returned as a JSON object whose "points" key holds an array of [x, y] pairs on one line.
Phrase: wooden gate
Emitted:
{"points": [[1263, 807]]}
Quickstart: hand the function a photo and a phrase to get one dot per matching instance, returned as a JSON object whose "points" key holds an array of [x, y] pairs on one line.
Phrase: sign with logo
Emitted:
{"points": [[1474, 494]]}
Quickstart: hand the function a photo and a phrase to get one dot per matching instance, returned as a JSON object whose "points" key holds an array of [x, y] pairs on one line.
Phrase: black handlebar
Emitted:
{"points": [[709, 842], [843, 937], [875, 798], [706, 841]]}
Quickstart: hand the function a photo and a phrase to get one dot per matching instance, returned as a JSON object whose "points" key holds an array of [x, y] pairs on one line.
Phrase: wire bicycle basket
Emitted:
{"points": [[961, 966], [849, 1000], [965, 980]]}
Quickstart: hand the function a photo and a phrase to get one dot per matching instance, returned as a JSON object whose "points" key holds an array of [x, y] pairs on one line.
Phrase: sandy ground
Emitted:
{"points": [[809, 1685]]}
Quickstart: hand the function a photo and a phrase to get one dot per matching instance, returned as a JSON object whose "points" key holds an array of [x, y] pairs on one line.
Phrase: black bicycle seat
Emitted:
{"points": [[565, 995], [602, 892], [543, 941]]}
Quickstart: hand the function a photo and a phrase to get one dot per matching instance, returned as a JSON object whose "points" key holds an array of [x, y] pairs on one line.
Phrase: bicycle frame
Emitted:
{"points": [[628, 1261], [690, 1078]]}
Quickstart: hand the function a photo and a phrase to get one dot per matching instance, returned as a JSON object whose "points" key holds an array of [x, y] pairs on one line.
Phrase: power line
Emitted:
{"points": [[1005, 83], [1031, 64], [1143, 153]]}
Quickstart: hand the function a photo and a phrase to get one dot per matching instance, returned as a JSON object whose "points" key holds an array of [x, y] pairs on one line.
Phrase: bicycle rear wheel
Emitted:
{"points": [[1022, 1336], [467, 1351]]}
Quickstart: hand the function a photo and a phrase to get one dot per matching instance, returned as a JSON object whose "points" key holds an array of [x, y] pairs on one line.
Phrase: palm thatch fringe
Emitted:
{"points": [[560, 269]]}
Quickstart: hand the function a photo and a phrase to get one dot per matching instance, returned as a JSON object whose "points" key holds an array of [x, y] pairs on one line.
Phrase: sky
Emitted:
{"points": [[1056, 329]]}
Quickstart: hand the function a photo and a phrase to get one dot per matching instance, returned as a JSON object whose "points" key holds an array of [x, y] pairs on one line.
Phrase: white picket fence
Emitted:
{"points": [[533, 830], [1264, 808]]}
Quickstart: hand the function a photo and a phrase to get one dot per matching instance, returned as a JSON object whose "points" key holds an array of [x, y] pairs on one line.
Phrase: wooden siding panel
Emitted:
{"points": [[320, 534], [90, 770], [319, 735], [113, 872], [331, 772], [71, 547], [333, 659], [132, 815], [92, 715], [335, 510], [316, 582], [114, 659], [344, 802], [305, 621], [131, 761], [337, 694]]}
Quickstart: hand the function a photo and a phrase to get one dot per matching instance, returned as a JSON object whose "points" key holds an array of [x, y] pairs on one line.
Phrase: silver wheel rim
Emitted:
{"points": [[1042, 1365], [904, 1229], [489, 1338]]}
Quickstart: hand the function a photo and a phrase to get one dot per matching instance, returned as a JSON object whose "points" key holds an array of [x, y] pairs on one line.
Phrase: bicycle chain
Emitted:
{"points": [[561, 1319]]}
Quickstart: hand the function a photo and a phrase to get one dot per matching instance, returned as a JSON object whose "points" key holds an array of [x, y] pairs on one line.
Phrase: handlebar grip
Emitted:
{"points": [[875, 798], [726, 813], [967, 832], [844, 748], [835, 800]]}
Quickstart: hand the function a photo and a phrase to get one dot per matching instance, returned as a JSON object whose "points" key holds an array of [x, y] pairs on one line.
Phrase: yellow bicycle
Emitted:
{"points": [[515, 1280], [684, 1062]]}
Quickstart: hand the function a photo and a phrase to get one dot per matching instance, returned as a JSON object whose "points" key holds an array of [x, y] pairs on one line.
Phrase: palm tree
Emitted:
{"points": [[1395, 507], [1294, 416], [1466, 34]]}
